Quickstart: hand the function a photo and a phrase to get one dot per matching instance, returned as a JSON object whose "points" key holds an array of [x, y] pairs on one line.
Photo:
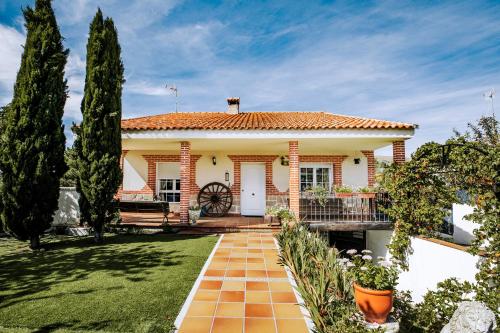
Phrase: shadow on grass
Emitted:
{"points": [[24, 273]]}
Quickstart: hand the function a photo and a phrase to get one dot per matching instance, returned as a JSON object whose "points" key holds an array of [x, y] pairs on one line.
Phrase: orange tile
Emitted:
{"points": [[258, 297], [230, 310], [210, 285], [259, 325], [215, 272], [218, 265], [237, 260], [235, 273], [256, 273], [258, 310], [201, 309], [284, 311], [291, 326], [220, 259], [232, 296], [255, 260], [256, 266], [255, 251], [225, 325], [233, 251], [283, 297], [233, 286], [236, 265], [196, 324], [276, 274], [280, 286], [257, 286], [206, 295]]}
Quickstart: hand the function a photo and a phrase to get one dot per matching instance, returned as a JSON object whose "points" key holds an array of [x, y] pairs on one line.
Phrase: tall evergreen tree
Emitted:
{"points": [[100, 133], [32, 141]]}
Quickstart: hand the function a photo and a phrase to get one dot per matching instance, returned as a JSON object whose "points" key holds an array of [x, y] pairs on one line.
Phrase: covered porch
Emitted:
{"points": [[260, 170]]}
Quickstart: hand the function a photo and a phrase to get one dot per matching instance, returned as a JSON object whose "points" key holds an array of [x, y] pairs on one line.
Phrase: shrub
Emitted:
{"points": [[322, 279], [319, 193]]}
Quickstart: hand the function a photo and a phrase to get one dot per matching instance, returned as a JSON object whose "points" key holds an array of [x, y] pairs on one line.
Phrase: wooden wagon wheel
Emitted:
{"points": [[215, 199]]}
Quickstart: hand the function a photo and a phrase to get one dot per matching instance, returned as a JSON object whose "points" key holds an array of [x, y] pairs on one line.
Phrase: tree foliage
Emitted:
{"points": [[100, 133], [32, 140], [424, 188]]}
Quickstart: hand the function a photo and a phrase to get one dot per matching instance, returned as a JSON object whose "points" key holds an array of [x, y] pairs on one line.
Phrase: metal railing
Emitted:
{"points": [[356, 208]]}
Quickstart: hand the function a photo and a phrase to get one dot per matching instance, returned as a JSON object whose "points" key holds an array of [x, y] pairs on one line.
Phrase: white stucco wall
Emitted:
{"points": [[355, 175], [429, 264], [463, 229], [281, 175], [135, 171], [207, 172], [68, 212]]}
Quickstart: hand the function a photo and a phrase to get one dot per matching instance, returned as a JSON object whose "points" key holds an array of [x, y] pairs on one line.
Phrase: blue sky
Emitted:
{"points": [[423, 62]]}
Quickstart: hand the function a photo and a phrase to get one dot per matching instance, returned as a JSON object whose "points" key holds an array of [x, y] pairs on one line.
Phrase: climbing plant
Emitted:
{"points": [[423, 190]]}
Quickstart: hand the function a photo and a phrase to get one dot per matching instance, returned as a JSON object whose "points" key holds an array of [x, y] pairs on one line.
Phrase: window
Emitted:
{"points": [[170, 190], [315, 176]]}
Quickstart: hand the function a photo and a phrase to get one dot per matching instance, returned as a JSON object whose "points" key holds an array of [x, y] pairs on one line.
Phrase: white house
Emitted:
{"points": [[264, 158]]}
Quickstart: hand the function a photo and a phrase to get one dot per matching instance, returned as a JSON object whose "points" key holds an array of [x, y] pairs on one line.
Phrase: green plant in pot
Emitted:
{"points": [[194, 213], [374, 284], [367, 192], [278, 214], [318, 193], [343, 191]]}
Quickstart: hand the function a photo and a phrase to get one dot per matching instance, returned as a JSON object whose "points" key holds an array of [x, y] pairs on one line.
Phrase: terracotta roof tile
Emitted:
{"points": [[257, 121]]}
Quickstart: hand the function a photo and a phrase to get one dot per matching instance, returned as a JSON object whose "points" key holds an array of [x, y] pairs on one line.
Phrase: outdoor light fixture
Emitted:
{"points": [[356, 161], [214, 160], [226, 176], [284, 161]]}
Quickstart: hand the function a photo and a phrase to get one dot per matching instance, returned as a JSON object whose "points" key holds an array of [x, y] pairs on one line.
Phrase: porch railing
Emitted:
{"points": [[354, 209]]}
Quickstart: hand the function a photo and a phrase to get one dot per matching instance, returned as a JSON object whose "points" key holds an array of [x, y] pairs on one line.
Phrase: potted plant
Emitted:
{"points": [[275, 215], [367, 192], [318, 193], [343, 191], [374, 285], [194, 213]]}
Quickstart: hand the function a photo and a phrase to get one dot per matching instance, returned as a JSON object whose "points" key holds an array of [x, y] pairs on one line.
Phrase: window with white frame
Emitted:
{"points": [[315, 175], [170, 190], [168, 181]]}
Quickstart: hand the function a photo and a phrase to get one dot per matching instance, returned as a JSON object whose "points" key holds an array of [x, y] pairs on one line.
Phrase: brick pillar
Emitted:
{"points": [[371, 166], [293, 188], [185, 160], [398, 152]]}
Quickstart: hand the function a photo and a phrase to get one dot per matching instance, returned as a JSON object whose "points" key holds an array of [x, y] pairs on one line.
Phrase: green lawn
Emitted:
{"points": [[131, 283]]}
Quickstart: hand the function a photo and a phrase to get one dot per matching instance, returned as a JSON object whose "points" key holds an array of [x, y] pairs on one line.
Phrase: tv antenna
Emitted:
{"points": [[489, 95], [173, 90]]}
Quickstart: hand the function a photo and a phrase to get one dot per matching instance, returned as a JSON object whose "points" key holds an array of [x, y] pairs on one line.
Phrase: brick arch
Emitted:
{"points": [[335, 160], [267, 159]]}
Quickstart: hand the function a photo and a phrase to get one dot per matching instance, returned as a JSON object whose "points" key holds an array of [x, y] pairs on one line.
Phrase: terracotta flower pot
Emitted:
{"points": [[343, 195], [367, 195], [375, 304]]}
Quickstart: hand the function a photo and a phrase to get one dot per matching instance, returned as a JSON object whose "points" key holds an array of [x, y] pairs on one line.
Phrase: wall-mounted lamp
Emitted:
{"points": [[226, 176], [284, 160], [214, 160], [357, 160]]}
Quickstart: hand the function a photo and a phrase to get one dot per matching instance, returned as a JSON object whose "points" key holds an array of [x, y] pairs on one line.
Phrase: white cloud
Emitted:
{"points": [[11, 41]]}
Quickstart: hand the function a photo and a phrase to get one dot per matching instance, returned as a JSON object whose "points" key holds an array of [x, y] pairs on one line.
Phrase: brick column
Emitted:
{"points": [[293, 188], [371, 166], [398, 152], [185, 161]]}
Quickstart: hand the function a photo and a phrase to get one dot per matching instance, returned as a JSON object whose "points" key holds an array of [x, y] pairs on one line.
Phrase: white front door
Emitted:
{"points": [[253, 189]]}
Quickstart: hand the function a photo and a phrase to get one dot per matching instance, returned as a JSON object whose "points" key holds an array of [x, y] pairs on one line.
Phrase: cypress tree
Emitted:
{"points": [[32, 141], [100, 133]]}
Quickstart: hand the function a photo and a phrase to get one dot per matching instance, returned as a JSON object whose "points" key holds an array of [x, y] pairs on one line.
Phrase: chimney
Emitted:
{"points": [[233, 105]]}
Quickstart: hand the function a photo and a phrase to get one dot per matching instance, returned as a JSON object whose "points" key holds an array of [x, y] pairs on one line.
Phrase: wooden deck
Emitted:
{"points": [[205, 224]]}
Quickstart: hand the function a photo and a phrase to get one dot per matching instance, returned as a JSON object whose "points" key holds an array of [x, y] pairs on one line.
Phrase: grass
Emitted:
{"points": [[131, 283]]}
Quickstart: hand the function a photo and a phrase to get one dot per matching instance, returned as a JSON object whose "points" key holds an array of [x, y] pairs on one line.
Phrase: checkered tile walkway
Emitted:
{"points": [[244, 289]]}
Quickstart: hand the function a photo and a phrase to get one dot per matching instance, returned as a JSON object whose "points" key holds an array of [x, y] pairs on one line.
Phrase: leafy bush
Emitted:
{"points": [[367, 274], [322, 279], [282, 212], [343, 189], [319, 193]]}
